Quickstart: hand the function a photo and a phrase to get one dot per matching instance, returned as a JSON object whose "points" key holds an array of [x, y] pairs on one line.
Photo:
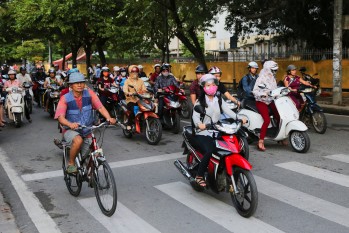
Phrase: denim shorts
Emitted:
{"points": [[68, 137]]}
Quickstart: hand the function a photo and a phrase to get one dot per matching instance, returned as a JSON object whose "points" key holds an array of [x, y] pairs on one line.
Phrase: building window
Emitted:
{"points": [[213, 34]]}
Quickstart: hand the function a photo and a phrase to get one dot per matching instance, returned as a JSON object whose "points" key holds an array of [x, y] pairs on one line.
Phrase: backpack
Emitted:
{"points": [[240, 89]]}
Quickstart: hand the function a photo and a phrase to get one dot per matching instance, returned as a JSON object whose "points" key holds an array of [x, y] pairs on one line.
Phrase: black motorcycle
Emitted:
{"points": [[53, 99], [28, 99], [312, 113]]}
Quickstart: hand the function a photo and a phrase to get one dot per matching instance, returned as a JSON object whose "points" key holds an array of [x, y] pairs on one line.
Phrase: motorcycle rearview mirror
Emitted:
{"points": [[262, 86], [199, 109]]}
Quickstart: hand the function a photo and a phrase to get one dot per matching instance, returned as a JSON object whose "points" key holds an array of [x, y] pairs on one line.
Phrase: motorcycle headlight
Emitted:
{"points": [[227, 128], [175, 104]]}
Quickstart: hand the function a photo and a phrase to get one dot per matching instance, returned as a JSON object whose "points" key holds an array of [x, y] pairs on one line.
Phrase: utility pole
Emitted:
{"points": [[337, 52]]}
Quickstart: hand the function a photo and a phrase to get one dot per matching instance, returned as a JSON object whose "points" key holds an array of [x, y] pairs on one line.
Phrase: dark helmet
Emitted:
{"points": [[122, 69], [22, 68], [134, 69], [200, 69], [302, 69], [52, 70], [164, 67]]}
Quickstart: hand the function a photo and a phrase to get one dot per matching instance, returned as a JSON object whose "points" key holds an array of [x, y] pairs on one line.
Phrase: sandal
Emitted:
{"points": [[200, 181], [71, 169]]}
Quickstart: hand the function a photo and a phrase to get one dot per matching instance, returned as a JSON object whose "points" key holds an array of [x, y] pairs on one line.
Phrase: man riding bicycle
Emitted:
{"points": [[74, 109]]}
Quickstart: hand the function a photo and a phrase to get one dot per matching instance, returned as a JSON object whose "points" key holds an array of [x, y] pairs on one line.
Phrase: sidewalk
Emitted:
{"points": [[7, 220], [326, 104]]}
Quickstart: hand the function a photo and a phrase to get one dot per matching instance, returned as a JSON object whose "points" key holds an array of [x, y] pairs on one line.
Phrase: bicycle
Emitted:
{"points": [[94, 169]]}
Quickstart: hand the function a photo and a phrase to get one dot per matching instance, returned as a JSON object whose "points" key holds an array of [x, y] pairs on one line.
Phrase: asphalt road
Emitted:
{"points": [[297, 192]]}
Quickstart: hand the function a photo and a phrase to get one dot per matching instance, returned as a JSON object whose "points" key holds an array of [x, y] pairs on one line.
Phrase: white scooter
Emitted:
{"points": [[15, 105], [146, 81], [289, 126]]}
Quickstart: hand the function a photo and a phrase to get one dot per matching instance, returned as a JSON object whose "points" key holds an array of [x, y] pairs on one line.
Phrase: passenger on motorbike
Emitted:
{"points": [[195, 90], [203, 138], [221, 88], [162, 81], [249, 80], [131, 100], [141, 72], [265, 83], [154, 75], [23, 77], [49, 81], [104, 82], [116, 73], [75, 109], [293, 82]]}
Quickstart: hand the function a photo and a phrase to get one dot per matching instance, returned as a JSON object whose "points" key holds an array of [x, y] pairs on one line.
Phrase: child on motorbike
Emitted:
{"points": [[214, 105], [104, 82]]}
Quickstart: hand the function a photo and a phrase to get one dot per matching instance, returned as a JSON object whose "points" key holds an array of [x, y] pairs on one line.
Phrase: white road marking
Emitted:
{"points": [[217, 211], [339, 157], [124, 163], [316, 172], [123, 220], [303, 201], [42, 221]]}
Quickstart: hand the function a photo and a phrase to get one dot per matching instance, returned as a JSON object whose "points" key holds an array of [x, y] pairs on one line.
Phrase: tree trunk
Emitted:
{"points": [[88, 56], [74, 50], [100, 44], [337, 52], [64, 54]]}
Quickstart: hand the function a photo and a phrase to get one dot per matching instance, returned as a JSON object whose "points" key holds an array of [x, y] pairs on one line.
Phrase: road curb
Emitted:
{"points": [[339, 110]]}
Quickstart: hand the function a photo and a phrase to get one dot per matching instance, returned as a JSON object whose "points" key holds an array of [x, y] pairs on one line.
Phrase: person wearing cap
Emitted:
{"points": [[195, 90], [153, 76], [264, 84], [105, 82], [293, 82], [116, 73], [221, 88], [214, 106], [52, 79], [141, 72], [74, 109], [23, 77], [249, 80]]}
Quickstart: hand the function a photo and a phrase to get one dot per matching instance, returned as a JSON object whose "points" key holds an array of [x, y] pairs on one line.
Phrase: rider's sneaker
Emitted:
{"points": [[71, 169]]}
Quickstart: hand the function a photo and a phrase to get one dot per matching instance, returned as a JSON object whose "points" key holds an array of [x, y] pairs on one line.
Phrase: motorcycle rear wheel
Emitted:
{"points": [[246, 200], [319, 121], [186, 109], [177, 124], [153, 133], [18, 119]]}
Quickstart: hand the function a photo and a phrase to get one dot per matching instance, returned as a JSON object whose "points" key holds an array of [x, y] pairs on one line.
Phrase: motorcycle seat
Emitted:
{"points": [[251, 105]]}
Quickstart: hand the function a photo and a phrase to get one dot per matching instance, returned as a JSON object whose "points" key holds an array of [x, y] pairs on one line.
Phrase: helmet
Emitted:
{"points": [[4, 65], [11, 72], [208, 78], [134, 70], [253, 64], [22, 68], [140, 67], [157, 65], [52, 70], [74, 70], [98, 65], [122, 69], [302, 69], [105, 68], [214, 70], [76, 78], [164, 67], [39, 68], [200, 69], [116, 68], [270, 65], [291, 67], [168, 65]]}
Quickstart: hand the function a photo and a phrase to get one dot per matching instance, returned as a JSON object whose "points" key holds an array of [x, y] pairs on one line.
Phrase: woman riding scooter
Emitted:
{"points": [[214, 106]]}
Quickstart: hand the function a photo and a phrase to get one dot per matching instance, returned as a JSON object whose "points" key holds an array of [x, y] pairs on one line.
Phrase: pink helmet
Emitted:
{"points": [[214, 70]]}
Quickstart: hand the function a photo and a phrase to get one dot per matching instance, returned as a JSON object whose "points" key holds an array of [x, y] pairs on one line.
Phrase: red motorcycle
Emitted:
{"points": [[228, 170], [172, 107]]}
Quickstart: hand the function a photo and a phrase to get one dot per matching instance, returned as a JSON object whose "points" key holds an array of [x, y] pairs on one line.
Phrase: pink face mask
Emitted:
{"points": [[211, 90]]}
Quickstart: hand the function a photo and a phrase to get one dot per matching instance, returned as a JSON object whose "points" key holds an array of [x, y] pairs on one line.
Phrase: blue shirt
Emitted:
{"points": [[248, 85]]}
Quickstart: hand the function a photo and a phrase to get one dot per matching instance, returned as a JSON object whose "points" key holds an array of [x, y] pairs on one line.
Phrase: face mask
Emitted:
{"points": [[123, 73], [211, 90], [165, 74], [134, 75]]}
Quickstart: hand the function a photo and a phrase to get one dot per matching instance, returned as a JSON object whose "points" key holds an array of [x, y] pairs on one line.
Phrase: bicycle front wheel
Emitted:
{"points": [[105, 189]]}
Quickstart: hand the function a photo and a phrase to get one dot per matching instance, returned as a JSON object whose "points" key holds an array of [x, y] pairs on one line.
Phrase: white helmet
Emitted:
{"points": [[116, 68], [157, 65], [252, 64], [140, 67]]}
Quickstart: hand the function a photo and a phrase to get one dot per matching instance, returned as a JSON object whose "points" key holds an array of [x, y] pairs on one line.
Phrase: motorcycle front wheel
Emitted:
{"points": [[153, 131], [300, 141], [176, 123], [245, 198], [245, 151], [319, 122], [17, 119]]}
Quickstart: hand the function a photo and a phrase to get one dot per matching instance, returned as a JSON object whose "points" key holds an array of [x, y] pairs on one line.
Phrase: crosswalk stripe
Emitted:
{"points": [[123, 220], [303, 201], [316, 172], [339, 157], [124, 163], [217, 211]]}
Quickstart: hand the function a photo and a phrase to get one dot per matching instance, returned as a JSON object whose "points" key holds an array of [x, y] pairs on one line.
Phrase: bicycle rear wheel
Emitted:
{"points": [[105, 189], [72, 181]]}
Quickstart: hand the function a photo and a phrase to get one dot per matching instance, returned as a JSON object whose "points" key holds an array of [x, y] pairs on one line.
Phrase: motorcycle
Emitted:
{"points": [[39, 91], [289, 126], [186, 106], [146, 81], [28, 99], [53, 99], [227, 171], [15, 105], [171, 108], [145, 118], [312, 113], [112, 102]]}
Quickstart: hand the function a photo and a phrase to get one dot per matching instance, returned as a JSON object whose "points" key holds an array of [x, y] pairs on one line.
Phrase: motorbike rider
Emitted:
{"points": [[116, 73], [221, 88], [153, 76], [121, 82], [58, 71], [2, 120], [249, 80], [306, 77], [264, 84], [164, 80], [195, 90], [131, 100], [4, 70], [13, 82], [23, 77], [68, 114], [293, 82], [51, 80], [141, 72], [105, 81], [214, 105]]}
